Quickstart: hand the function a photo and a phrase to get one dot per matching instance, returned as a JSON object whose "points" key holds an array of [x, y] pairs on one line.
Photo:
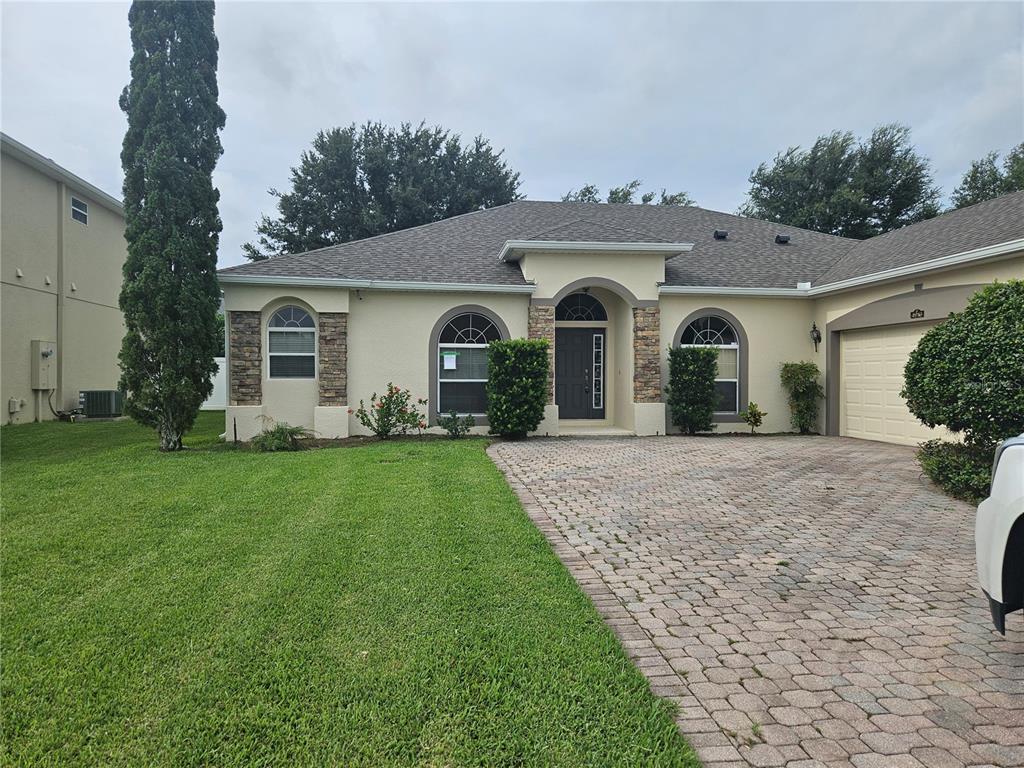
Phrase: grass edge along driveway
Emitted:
{"points": [[389, 604]]}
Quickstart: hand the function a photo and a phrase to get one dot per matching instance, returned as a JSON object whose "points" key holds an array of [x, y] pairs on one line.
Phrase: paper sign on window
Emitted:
{"points": [[449, 360]]}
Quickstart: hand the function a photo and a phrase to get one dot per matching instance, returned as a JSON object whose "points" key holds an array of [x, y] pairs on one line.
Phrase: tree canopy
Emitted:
{"points": [[846, 186], [590, 193], [985, 179], [170, 294], [362, 181]]}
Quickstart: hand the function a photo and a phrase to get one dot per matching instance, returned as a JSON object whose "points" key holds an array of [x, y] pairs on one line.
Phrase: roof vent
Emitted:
{"points": [[782, 239], [721, 234]]}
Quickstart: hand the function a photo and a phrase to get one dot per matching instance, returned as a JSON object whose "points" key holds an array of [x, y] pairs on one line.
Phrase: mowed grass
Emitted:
{"points": [[389, 604]]}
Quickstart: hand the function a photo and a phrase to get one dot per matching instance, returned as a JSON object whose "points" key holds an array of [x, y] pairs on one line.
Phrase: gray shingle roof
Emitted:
{"points": [[464, 249], [977, 226]]}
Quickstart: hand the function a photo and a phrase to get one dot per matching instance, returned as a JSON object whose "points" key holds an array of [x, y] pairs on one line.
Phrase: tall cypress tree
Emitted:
{"points": [[170, 293]]}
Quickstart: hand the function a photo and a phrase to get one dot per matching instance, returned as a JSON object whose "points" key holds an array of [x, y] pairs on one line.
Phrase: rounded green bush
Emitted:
{"points": [[517, 386], [967, 374]]}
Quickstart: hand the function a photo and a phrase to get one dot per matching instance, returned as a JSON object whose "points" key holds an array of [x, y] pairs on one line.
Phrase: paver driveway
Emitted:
{"points": [[806, 601]]}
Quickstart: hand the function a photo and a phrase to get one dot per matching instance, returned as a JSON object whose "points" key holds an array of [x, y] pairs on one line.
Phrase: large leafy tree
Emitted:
{"points": [[374, 179], [590, 193], [170, 294], [985, 179], [845, 186]]}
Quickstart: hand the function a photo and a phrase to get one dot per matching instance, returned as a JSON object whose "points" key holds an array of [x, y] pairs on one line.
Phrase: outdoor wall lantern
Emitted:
{"points": [[815, 335]]}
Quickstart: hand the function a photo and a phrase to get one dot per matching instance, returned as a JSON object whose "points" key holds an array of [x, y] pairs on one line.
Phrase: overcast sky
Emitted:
{"points": [[687, 96]]}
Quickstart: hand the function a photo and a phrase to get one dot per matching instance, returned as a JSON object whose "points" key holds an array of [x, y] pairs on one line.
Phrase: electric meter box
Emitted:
{"points": [[44, 364]]}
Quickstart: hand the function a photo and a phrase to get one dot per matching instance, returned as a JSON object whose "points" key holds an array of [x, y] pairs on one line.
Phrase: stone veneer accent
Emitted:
{"points": [[646, 357], [541, 325], [246, 358], [333, 355]]}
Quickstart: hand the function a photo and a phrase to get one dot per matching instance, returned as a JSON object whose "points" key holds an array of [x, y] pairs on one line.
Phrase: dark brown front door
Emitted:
{"points": [[579, 373]]}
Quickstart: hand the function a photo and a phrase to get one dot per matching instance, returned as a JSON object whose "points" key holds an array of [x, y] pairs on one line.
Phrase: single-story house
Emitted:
{"points": [[611, 287]]}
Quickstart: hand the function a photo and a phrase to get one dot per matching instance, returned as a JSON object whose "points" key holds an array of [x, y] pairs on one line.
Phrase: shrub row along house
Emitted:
{"points": [[612, 288]]}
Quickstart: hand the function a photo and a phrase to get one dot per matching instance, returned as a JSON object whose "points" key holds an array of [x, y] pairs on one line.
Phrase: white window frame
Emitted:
{"points": [[440, 367], [316, 345], [81, 207], [735, 346]]}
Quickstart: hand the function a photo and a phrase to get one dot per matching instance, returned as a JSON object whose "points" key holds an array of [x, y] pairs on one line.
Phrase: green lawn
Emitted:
{"points": [[389, 604]]}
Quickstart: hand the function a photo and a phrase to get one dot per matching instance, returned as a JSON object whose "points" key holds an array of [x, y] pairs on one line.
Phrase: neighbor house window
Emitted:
{"points": [[292, 344], [79, 210], [714, 331], [462, 363]]}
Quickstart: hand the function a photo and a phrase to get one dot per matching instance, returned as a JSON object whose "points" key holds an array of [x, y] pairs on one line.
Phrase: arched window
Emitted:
{"points": [[462, 363], [714, 331], [292, 344], [580, 307]]}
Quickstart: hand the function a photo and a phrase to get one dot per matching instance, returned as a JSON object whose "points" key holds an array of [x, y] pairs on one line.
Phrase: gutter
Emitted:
{"points": [[804, 290], [380, 285]]}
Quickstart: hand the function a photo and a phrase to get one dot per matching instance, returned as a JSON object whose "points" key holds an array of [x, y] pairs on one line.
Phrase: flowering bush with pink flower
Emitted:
{"points": [[392, 413]]}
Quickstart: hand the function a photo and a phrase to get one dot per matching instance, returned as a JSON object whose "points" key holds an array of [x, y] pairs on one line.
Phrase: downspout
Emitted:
{"points": [[60, 295]]}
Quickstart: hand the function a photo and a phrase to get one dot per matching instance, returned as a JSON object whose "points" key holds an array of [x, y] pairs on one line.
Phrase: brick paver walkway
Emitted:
{"points": [[805, 601]]}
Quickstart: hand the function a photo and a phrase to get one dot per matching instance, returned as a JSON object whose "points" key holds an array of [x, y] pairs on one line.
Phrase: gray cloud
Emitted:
{"points": [[685, 96]]}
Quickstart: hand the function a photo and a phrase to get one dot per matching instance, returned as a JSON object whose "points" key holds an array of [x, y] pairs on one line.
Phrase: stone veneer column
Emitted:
{"points": [[541, 325], [246, 358], [646, 357], [333, 357]]}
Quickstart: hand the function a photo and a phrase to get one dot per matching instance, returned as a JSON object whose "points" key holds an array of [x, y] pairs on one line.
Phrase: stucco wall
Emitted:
{"points": [[389, 338], [777, 332], [36, 230], [640, 274], [835, 306], [830, 307]]}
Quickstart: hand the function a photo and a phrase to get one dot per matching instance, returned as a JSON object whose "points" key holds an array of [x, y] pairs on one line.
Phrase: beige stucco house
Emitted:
{"points": [[611, 287], [61, 251]]}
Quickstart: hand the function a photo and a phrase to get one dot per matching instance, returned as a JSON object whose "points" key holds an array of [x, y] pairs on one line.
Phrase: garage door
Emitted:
{"points": [[871, 377]]}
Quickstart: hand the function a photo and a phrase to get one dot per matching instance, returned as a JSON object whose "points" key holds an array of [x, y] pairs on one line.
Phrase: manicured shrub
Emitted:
{"points": [[517, 385], [393, 413], [281, 436], [753, 416], [966, 373], [691, 387], [802, 385], [961, 470], [456, 425]]}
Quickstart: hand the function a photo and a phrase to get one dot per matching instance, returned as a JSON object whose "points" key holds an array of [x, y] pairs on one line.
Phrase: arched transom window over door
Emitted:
{"points": [[291, 344], [580, 307], [714, 331], [462, 363]]}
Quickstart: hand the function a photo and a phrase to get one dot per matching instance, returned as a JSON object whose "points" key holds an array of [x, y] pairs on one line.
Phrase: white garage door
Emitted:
{"points": [[871, 377]]}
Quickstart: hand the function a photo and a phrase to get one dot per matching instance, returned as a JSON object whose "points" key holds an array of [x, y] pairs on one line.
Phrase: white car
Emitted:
{"points": [[999, 533]]}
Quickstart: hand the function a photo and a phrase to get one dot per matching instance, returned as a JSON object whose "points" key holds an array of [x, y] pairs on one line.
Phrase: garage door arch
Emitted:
{"points": [[922, 306]]}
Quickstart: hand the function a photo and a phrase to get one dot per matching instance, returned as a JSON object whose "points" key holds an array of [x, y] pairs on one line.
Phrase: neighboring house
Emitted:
{"points": [[611, 287], [61, 251]]}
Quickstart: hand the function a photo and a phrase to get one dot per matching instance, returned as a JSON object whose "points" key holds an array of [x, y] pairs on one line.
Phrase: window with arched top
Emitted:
{"points": [[291, 344], [462, 363], [580, 307], [715, 331]]}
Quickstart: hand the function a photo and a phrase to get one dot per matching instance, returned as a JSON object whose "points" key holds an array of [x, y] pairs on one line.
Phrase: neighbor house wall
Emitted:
{"points": [[777, 331], [67, 290]]}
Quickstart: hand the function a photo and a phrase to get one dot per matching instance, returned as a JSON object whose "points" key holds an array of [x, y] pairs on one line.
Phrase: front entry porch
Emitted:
{"points": [[604, 361]]}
